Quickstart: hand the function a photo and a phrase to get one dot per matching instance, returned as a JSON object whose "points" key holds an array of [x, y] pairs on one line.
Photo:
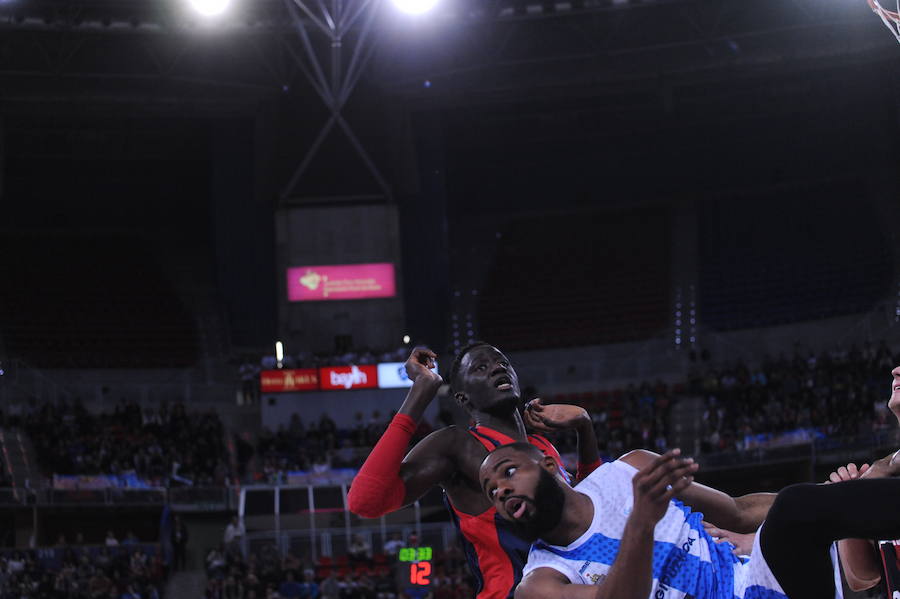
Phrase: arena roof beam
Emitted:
{"points": [[336, 87]]}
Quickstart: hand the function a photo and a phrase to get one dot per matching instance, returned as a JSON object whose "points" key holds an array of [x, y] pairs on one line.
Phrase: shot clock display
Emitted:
{"points": [[419, 560]]}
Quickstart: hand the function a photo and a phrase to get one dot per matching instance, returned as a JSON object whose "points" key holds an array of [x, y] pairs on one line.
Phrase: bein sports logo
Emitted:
{"points": [[349, 379]]}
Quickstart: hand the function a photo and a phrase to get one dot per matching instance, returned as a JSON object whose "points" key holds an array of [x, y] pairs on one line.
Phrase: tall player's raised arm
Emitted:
{"points": [[740, 514], [386, 482], [552, 418]]}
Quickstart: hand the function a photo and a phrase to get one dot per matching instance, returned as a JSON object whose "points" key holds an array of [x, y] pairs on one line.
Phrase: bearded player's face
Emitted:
{"points": [[894, 401], [522, 491]]}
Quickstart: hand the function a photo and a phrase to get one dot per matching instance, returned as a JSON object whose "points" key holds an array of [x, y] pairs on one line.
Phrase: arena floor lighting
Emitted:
{"points": [[415, 7], [210, 8]]}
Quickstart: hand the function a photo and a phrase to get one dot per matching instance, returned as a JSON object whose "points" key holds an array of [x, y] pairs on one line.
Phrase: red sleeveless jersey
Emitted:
{"points": [[495, 552]]}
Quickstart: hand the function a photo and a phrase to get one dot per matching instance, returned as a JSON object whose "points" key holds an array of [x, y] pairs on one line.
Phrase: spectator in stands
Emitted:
{"points": [[393, 545], [308, 588], [329, 588], [111, 540], [290, 588], [215, 563], [234, 534], [359, 551], [179, 539], [291, 563]]}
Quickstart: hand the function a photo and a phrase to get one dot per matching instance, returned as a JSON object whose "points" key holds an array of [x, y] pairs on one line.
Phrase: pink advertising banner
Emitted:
{"points": [[341, 282]]}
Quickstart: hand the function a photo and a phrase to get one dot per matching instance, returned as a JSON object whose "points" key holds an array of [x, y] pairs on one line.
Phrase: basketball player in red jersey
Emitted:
{"points": [[484, 383]]}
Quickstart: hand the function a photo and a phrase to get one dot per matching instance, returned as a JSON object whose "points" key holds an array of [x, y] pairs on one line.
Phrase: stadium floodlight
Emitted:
{"points": [[279, 353], [406, 339], [210, 8], [415, 7]]}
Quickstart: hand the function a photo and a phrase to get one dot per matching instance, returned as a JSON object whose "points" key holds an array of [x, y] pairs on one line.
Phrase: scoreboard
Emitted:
{"points": [[419, 560]]}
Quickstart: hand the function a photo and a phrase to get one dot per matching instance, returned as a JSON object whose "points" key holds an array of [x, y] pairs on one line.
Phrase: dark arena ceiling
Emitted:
{"points": [[464, 51]]}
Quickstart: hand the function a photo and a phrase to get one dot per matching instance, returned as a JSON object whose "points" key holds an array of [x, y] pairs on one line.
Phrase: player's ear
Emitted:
{"points": [[461, 399], [549, 464]]}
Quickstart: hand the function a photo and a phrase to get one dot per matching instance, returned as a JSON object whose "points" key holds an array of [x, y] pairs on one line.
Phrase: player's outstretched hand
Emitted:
{"points": [[658, 482], [848, 472], [550, 418], [743, 543], [419, 365]]}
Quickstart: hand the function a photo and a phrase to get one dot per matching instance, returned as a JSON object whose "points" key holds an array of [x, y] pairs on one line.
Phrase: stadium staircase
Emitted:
{"points": [[19, 455], [187, 585]]}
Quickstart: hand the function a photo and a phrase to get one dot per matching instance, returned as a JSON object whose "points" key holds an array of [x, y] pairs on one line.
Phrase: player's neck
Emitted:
{"points": [[577, 515], [510, 425]]}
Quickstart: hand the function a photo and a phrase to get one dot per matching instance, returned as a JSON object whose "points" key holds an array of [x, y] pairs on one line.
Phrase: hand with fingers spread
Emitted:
{"points": [[655, 485], [743, 543], [419, 365], [848, 472], [551, 418]]}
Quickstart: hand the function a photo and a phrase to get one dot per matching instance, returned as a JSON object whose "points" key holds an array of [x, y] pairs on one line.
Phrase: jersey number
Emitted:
{"points": [[419, 573]]}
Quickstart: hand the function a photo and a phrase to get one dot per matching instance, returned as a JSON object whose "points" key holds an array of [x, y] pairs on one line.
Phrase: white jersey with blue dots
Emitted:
{"points": [[687, 562]]}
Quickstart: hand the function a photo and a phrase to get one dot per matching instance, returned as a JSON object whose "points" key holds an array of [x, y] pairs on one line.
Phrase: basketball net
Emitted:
{"points": [[890, 18]]}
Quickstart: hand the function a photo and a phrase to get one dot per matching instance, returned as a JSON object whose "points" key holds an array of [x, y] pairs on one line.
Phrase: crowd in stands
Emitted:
{"points": [[316, 447], [837, 393], [123, 571], [635, 417], [360, 573], [161, 447]]}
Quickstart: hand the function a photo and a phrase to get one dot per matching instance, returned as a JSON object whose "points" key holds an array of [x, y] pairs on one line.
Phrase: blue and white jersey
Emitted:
{"points": [[687, 562]]}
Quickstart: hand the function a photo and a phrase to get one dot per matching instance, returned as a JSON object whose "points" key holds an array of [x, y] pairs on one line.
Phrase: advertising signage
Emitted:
{"points": [[282, 381], [392, 375], [387, 375], [343, 378], [340, 282]]}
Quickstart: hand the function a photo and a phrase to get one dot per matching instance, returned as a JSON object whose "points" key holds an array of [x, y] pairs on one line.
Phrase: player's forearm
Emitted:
{"points": [[419, 396], [588, 452], [862, 567], [631, 575], [752, 510]]}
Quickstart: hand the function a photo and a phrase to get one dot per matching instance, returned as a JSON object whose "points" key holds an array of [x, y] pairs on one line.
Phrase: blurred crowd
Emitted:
{"points": [[360, 573], [837, 393], [316, 447], [126, 571], [162, 447]]}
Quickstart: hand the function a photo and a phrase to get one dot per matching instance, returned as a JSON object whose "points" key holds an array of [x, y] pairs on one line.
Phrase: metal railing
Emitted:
{"points": [[330, 542], [182, 498]]}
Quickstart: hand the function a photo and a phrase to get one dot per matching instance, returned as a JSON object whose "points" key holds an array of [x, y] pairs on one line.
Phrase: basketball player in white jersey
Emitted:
{"points": [[623, 529]]}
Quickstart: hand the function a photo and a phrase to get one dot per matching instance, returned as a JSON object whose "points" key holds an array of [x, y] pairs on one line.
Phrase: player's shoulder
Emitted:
{"points": [[450, 439], [542, 581], [638, 458]]}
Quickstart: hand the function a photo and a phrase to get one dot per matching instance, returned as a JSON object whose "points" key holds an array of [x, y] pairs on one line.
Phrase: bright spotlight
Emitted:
{"points": [[210, 8], [415, 7], [406, 339]]}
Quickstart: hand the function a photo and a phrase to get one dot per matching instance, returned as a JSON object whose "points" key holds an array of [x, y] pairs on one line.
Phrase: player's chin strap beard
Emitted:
{"points": [[549, 501]]}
